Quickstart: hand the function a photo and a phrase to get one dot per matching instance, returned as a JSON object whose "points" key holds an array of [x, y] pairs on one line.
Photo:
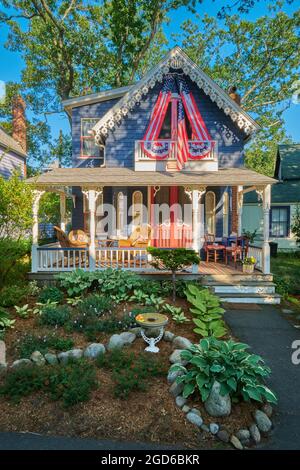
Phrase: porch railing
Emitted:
{"points": [[257, 252], [167, 149], [135, 259], [62, 259]]}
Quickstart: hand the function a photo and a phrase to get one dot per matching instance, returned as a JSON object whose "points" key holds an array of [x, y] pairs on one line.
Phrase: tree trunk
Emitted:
{"points": [[174, 285]]}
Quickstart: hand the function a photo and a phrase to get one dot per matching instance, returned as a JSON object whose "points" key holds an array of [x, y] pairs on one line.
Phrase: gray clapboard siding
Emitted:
{"points": [[10, 161]]}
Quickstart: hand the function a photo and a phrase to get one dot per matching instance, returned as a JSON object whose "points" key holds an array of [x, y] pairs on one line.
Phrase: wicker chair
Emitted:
{"points": [[139, 238], [69, 242], [78, 238]]}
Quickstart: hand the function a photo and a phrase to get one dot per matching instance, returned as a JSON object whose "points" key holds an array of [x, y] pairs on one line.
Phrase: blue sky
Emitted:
{"points": [[11, 63]]}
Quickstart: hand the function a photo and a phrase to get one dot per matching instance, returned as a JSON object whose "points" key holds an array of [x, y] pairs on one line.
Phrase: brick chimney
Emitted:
{"points": [[234, 95], [19, 121]]}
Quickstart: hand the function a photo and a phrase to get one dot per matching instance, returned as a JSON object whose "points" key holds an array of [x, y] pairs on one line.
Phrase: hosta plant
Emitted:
{"points": [[39, 306], [23, 311], [176, 312], [74, 301], [139, 296], [154, 301], [5, 321], [207, 312], [240, 373]]}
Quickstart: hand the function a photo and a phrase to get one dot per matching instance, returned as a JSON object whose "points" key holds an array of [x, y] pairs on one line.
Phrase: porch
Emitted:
{"points": [[194, 188]]}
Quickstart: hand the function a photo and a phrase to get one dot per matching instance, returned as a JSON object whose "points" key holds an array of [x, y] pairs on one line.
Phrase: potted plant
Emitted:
{"points": [[249, 264]]}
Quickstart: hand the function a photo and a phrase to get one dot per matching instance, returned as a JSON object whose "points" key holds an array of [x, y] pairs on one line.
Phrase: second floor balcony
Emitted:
{"points": [[163, 154]]}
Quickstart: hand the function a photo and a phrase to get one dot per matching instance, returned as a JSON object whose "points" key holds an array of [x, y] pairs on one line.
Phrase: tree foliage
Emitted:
{"points": [[261, 58]]}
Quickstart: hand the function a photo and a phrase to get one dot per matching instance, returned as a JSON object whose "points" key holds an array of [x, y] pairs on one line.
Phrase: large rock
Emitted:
{"points": [[128, 337], [115, 342], [254, 433], [180, 401], [172, 375], [236, 442], [264, 423], [2, 352], [214, 428], [181, 343], [217, 405], [176, 389], [194, 419], [176, 357], [51, 359], [223, 435], [169, 336], [243, 435], [38, 358], [21, 363], [94, 350], [73, 354], [186, 408]]}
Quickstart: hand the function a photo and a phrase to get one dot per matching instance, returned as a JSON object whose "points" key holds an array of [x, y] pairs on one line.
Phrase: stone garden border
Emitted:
{"points": [[216, 405]]}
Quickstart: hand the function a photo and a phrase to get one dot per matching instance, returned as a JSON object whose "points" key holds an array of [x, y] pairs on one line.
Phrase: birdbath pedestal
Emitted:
{"points": [[149, 321]]}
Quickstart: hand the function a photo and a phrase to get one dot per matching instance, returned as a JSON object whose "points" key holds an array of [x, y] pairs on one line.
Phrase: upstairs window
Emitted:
{"points": [[279, 222], [88, 147]]}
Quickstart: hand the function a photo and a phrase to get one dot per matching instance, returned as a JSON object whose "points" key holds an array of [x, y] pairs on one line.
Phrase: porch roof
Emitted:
{"points": [[127, 177]]}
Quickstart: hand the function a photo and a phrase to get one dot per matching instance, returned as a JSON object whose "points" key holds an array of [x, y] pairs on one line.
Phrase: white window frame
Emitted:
{"points": [[87, 157]]}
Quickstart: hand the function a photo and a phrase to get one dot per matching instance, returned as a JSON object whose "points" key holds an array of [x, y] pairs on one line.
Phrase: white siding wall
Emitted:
{"points": [[253, 219], [9, 161]]}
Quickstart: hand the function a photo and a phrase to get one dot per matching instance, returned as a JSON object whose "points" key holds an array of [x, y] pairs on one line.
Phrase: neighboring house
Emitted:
{"points": [[285, 197], [13, 148], [174, 138]]}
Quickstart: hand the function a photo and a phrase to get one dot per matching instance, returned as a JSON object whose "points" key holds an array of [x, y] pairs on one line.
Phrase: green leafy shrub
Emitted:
{"points": [[76, 282], [55, 315], [14, 260], [118, 284], [284, 285], [240, 373], [29, 343], [207, 310], [51, 294], [95, 305], [12, 295], [5, 321], [173, 260], [72, 383], [131, 372], [33, 288], [92, 326]]}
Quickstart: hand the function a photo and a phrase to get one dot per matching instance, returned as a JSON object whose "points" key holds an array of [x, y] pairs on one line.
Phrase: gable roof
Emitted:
{"points": [[285, 192], [288, 162], [175, 59], [105, 95], [8, 143]]}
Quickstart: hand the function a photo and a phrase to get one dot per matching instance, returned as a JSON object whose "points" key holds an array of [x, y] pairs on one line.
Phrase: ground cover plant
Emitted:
{"points": [[30, 342], [286, 269], [71, 383], [131, 372]]}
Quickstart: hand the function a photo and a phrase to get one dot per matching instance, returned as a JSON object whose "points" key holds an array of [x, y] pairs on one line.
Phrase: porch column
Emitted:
{"points": [[266, 212], [35, 229], [63, 212], [92, 196], [240, 200], [195, 195]]}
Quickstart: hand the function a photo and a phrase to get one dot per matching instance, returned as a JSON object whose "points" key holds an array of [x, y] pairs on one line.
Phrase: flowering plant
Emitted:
{"points": [[249, 260]]}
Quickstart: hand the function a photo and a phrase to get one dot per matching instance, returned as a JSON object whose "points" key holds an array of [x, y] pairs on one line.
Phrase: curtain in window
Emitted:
{"points": [[279, 222]]}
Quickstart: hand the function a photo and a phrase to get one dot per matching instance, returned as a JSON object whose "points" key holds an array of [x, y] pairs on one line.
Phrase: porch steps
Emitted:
{"points": [[255, 289]]}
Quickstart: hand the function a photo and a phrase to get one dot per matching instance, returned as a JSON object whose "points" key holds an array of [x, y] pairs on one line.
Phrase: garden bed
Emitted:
{"points": [[130, 401]]}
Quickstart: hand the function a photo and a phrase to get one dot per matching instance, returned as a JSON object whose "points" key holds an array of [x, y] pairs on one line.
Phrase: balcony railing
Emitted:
{"points": [[166, 150]]}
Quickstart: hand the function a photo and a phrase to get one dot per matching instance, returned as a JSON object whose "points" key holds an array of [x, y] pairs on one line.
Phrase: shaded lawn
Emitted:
{"points": [[287, 266]]}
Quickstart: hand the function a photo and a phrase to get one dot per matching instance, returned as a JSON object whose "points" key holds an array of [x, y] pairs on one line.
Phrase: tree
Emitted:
{"points": [[262, 59], [173, 260], [296, 224]]}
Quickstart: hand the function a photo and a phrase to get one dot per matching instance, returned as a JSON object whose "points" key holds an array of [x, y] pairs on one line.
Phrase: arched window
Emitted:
{"points": [[210, 212], [225, 213], [120, 211], [137, 208]]}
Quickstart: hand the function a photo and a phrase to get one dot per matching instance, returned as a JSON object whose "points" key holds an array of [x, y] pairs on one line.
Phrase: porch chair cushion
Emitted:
{"points": [[78, 238]]}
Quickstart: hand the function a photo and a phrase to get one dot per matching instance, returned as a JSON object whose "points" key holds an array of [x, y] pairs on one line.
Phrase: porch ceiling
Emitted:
{"points": [[126, 177]]}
